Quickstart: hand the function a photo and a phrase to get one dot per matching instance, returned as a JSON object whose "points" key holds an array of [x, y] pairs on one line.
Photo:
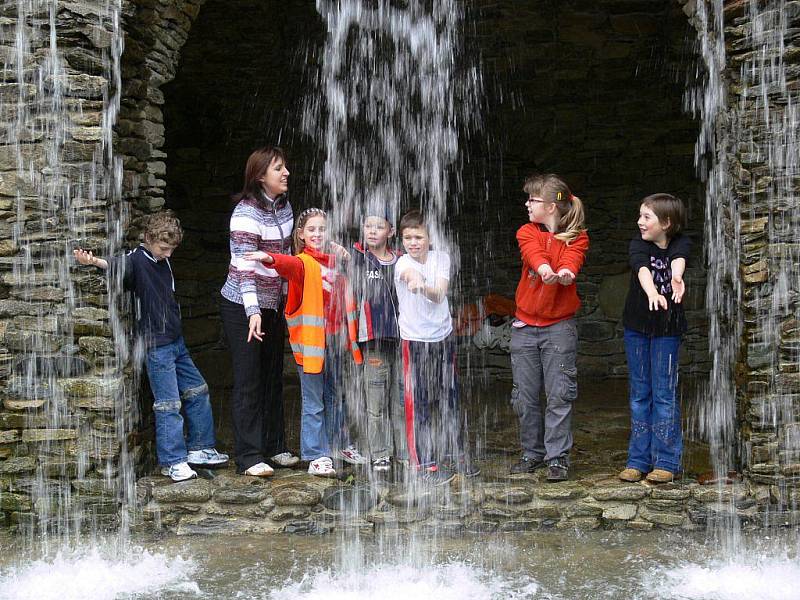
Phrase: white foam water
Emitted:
{"points": [[451, 581], [90, 575], [765, 578]]}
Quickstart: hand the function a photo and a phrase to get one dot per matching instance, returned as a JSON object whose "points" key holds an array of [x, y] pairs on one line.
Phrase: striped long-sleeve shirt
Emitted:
{"points": [[257, 224]]}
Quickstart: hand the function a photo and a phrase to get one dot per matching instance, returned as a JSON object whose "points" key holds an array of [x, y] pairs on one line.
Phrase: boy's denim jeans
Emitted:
{"points": [[322, 420], [656, 437], [179, 393]]}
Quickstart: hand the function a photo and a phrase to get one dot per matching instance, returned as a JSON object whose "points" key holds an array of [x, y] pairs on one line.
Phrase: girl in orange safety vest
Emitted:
{"points": [[319, 309]]}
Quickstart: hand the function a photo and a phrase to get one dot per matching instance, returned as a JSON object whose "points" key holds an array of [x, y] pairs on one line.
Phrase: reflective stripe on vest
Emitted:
{"points": [[306, 324]]}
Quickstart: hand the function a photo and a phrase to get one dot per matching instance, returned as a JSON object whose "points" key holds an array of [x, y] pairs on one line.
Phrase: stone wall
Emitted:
{"points": [[297, 503], [763, 125]]}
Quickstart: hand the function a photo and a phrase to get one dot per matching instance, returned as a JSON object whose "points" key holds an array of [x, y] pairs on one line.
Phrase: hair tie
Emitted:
{"points": [[311, 211]]}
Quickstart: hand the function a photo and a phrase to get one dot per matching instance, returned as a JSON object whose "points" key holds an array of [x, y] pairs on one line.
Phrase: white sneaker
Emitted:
{"points": [[208, 457], [180, 472], [353, 456], [322, 467], [260, 470], [285, 459], [383, 463]]}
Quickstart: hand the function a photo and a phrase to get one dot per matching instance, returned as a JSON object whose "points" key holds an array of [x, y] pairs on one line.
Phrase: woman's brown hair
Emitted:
{"points": [[551, 188], [257, 164]]}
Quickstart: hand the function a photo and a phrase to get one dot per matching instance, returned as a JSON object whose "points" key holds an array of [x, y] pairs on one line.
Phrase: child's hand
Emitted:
{"points": [[254, 328], [678, 289], [565, 276], [340, 252], [547, 274], [84, 257], [655, 301], [259, 256], [413, 280]]}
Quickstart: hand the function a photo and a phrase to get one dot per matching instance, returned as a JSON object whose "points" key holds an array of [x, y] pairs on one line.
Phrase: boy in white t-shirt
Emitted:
{"points": [[422, 278]]}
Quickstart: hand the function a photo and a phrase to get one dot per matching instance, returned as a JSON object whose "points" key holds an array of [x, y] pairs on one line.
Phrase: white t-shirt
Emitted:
{"points": [[420, 319]]}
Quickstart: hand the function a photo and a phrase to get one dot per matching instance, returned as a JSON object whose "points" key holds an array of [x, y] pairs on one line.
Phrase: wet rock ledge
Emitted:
{"points": [[221, 502]]}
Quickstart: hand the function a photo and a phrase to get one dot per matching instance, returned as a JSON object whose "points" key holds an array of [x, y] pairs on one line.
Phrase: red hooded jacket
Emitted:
{"points": [[539, 304]]}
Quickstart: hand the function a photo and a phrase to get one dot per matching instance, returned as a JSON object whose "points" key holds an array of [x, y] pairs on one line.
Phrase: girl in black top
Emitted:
{"points": [[654, 321]]}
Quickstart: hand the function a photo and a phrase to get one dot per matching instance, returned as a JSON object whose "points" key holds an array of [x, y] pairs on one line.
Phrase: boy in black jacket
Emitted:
{"points": [[378, 336], [177, 385]]}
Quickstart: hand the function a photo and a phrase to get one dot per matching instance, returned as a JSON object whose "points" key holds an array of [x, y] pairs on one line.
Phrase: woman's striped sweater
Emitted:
{"points": [[258, 224]]}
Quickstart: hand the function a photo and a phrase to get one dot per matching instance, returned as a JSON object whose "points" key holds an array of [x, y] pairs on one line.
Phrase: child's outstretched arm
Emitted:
{"points": [[85, 257], [533, 253], [678, 267], [416, 285], [572, 259]]}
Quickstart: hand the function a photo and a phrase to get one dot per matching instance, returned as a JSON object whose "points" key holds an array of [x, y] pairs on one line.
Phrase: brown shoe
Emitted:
{"points": [[659, 476], [632, 475]]}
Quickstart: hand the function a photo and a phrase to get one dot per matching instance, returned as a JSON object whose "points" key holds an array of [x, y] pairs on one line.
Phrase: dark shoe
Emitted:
{"points": [[557, 470], [465, 468], [526, 465]]}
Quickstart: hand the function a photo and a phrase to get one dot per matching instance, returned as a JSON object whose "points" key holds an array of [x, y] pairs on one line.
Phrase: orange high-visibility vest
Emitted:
{"points": [[306, 323]]}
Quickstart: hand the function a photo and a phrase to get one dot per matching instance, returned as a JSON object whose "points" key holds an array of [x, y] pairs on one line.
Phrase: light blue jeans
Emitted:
{"points": [[322, 420], [180, 393]]}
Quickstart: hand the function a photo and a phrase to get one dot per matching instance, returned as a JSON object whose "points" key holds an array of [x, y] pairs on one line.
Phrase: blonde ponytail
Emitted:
{"points": [[552, 188]]}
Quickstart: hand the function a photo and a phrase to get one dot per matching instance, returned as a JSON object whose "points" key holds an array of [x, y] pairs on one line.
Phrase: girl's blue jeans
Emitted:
{"points": [[656, 439], [180, 394], [322, 420]]}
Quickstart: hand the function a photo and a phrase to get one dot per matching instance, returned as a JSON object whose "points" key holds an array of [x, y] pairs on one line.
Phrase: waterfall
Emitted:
{"points": [[67, 377], [396, 100]]}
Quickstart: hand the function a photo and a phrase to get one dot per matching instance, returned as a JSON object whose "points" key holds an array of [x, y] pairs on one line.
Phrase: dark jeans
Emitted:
{"points": [[430, 393], [257, 398], [656, 437]]}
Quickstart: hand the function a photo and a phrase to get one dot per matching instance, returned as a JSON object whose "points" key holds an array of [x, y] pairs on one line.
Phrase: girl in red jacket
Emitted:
{"points": [[320, 314], [544, 336]]}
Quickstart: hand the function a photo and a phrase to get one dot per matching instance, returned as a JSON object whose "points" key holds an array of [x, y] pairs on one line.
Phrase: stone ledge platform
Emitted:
{"points": [[221, 502]]}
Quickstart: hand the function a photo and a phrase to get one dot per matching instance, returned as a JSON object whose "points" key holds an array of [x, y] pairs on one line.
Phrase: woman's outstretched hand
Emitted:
{"points": [[259, 256]]}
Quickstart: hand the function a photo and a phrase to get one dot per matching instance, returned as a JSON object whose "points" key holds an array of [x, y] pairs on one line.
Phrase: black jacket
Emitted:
{"points": [[158, 315]]}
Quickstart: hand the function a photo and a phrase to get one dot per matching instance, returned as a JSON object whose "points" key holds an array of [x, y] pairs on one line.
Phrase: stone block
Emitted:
{"points": [[48, 435], [667, 519], [16, 465], [520, 525], [95, 345], [195, 490], [612, 294], [297, 494], [9, 437], [285, 513], [241, 495], [539, 509], [14, 502], [619, 511], [579, 523], [673, 492], [567, 490], [512, 496], [623, 492]]}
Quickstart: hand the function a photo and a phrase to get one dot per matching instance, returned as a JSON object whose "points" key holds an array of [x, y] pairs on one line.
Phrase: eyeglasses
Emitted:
{"points": [[534, 199]]}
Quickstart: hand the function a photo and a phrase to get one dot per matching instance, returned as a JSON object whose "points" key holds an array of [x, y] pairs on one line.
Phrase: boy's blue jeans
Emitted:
{"points": [[656, 438], [322, 420], [179, 393]]}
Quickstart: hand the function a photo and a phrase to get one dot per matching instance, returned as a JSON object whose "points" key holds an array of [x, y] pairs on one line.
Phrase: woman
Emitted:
{"points": [[252, 314]]}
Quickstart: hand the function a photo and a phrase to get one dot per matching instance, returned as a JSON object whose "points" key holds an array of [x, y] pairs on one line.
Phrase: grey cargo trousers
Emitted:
{"points": [[545, 355]]}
